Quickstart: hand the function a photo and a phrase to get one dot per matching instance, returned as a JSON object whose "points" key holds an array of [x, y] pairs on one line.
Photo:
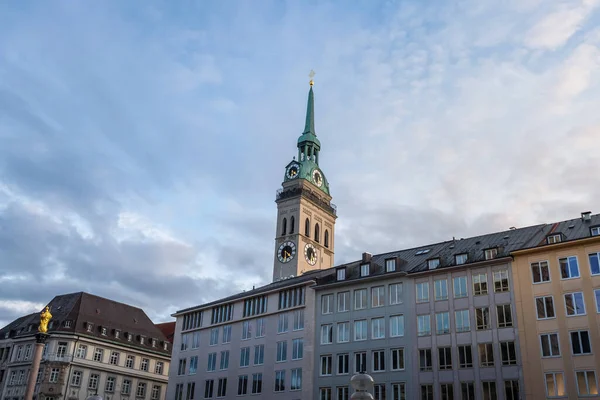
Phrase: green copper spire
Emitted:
{"points": [[309, 127]]}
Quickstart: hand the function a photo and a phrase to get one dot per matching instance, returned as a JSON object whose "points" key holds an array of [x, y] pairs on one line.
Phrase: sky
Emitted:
{"points": [[141, 143]]}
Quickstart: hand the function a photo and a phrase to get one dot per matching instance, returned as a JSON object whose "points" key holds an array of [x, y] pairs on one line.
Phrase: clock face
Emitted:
{"points": [[317, 177], [310, 253], [286, 252], [292, 171]]}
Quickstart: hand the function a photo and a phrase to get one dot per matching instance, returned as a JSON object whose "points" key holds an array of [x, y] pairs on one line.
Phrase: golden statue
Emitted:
{"points": [[45, 317]]}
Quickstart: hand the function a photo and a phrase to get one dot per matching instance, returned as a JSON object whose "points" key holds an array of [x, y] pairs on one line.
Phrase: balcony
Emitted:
{"points": [[282, 194], [59, 358]]}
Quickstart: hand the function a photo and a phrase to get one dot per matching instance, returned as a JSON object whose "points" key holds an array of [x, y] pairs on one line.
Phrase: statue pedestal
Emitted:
{"points": [[40, 342]]}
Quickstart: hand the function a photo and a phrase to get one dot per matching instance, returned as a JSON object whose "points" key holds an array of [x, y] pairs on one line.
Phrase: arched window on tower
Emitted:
{"points": [[307, 227], [284, 227], [317, 232], [326, 238], [291, 224]]}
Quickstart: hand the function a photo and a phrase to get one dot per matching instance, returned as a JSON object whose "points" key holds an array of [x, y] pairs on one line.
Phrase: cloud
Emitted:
{"points": [[141, 151]]}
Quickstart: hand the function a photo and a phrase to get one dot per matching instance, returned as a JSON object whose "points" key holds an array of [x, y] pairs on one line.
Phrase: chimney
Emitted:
{"points": [[366, 257], [586, 216]]}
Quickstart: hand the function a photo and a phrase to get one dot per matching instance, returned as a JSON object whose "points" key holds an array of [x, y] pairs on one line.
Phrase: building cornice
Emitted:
{"points": [[557, 246]]}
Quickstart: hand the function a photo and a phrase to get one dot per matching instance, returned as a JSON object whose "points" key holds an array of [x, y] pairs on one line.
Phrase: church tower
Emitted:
{"points": [[306, 217]]}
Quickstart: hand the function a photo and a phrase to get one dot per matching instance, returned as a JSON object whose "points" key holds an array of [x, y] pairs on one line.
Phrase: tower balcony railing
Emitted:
{"points": [[283, 194]]}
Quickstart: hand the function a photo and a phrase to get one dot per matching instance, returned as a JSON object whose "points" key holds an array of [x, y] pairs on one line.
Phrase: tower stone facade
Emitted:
{"points": [[306, 217]]}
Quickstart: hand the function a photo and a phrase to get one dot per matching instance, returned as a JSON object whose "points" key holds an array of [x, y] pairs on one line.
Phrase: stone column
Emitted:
{"points": [[40, 341]]}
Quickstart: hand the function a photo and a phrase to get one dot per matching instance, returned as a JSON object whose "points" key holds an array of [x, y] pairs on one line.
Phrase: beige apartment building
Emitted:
{"points": [[557, 294]]}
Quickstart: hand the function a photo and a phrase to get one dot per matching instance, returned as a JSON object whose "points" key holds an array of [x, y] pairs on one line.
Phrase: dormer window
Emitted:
{"points": [[390, 265], [461, 258], [89, 327], [103, 331], [68, 323], [341, 274], [29, 328], [153, 342], [165, 345], [117, 333], [554, 238], [142, 340], [433, 263], [491, 253], [595, 231], [364, 270], [129, 337]]}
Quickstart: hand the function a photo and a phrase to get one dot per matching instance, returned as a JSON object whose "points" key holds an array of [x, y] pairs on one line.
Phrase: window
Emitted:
{"points": [[360, 362], [284, 226], [501, 281], [76, 378], [184, 341], [460, 287], [208, 388], [441, 289], [342, 393], [426, 392], [341, 274], [574, 303], [550, 345], [425, 362], [282, 324], [193, 366], [224, 360], [222, 387], [103, 331], [489, 390], [465, 356], [378, 328], [586, 383], [307, 227], [379, 391], [504, 315], [580, 342], [110, 384], [595, 231], [317, 233], [93, 381], [423, 325], [597, 295], [327, 304], [554, 239], [491, 253], [422, 292], [378, 360], [61, 351], [242, 385], [445, 357], [433, 263], [222, 313], [461, 321], [81, 351], [182, 366], [297, 349], [155, 395], [540, 272], [442, 323], [360, 330], [279, 381], [126, 387], [360, 299], [298, 320], [98, 355], [378, 296], [343, 364], [569, 268], [281, 351], [467, 391], [486, 355], [390, 265], [212, 362], [555, 384], [511, 390], [326, 365], [545, 307], [480, 284], [144, 364], [296, 379], [595, 263], [447, 391], [244, 356], [396, 325], [246, 331], [343, 332], [364, 270], [260, 327], [227, 334], [158, 369], [259, 354], [508, 353], [214, 336], [343, 300], [326, 240], [114, 358], [256, 383], [327, 334], [129, 361], [461, 258], [396, 290]]}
